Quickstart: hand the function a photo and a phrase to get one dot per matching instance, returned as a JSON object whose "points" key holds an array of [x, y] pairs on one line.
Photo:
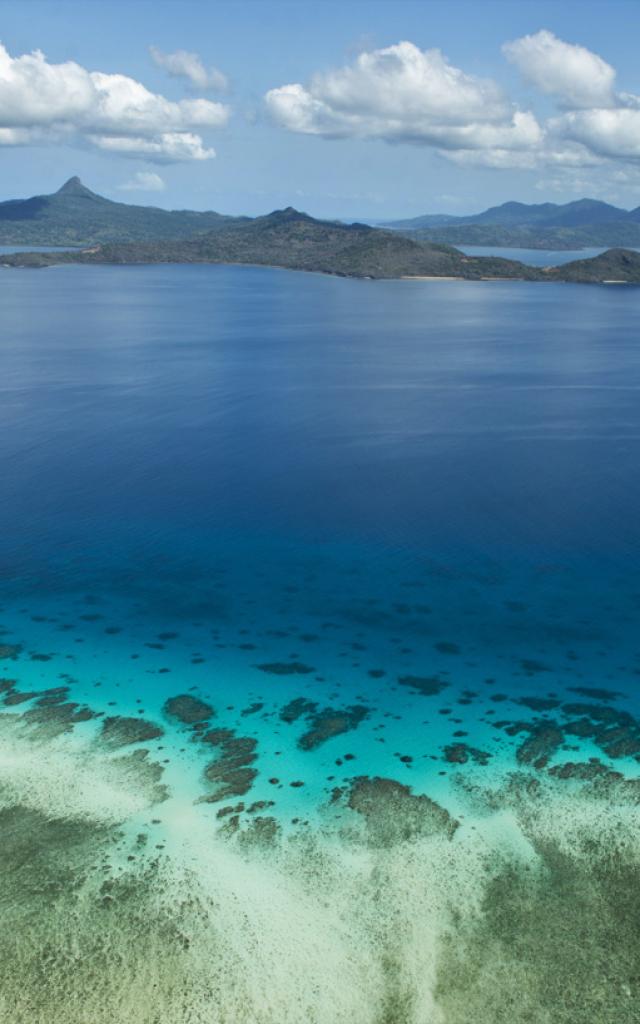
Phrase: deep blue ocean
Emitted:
{"points": [[416, 499], [260, 450]]}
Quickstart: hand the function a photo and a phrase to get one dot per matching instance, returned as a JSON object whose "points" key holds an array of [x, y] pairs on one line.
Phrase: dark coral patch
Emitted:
{"points": [[55, 695], [216, 737], [286, 668], [330, 722], [601, 780], [584, 771], [539, 703], [297, 708], [616, 732], [461, 753], [53, 719], [188, 709], [119, 731], [10, 651], [428, 686], [231, 773], [148, 773], [446, 647], [252, 709], [18, 697], [543, 742], [263, 830], [595, 692], [393, 813], [531, 667], [324, 723]]}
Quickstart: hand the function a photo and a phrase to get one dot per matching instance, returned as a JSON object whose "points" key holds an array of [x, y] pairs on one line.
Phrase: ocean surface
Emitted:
{"points": [[319, 649]]}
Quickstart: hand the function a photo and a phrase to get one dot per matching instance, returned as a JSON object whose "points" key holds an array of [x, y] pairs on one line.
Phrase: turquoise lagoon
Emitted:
{"points": [[380, 539]]}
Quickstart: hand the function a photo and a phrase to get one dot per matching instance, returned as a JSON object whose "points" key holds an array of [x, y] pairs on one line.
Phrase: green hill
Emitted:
{"points": [[295, 241], [74, 215], [615, 266]]}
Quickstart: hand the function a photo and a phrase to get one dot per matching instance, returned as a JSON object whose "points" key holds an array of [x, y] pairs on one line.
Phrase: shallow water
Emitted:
{"points": [[386, 533]]}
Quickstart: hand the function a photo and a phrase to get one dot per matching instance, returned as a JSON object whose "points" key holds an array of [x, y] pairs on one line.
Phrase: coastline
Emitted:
{"points": [[611, 261], [545, 276]]}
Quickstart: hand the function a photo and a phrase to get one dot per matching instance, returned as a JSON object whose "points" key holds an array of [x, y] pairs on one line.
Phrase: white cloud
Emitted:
{"points": [[143, 181], [597, 124], [42, 102], [170, 147], [575, 75], [606, 133], [404, 94], [182, 64]]}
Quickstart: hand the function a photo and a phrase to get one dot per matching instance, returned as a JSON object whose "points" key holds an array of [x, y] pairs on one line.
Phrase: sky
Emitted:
{"points": [[357, 109]]}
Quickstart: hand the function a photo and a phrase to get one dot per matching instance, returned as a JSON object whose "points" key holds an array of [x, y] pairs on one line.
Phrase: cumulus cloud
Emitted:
{"points": [[143, 181], [573, 74], [182, 64], [170, 147], [404, 94], [596, 123], [607, 133], [42, 102]]}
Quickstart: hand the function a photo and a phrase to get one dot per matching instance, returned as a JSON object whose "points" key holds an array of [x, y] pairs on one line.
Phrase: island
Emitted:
{"points": [[287, 239]]}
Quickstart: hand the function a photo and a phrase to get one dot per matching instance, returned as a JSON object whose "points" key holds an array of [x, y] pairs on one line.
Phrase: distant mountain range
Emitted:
{"points": [[295, 241], [585, 222], [123, 234], [74, 215]]}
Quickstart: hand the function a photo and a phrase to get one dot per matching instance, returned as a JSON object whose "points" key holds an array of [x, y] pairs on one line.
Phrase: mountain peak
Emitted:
{"points": [[288, 214], [74, 187]]}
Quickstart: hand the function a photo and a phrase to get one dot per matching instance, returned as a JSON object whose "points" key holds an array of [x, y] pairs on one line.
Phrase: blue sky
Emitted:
{"points": [[380, 131]]}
